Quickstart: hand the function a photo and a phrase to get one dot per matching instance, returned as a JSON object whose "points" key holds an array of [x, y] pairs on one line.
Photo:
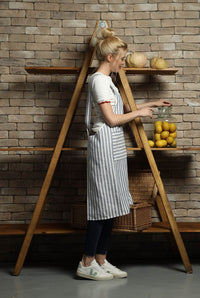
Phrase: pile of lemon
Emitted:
{"points": [[164, 134]]}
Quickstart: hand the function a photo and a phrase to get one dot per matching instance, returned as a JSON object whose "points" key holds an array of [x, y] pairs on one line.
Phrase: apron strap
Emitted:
{"points": [[88, 112], [88, 109]]}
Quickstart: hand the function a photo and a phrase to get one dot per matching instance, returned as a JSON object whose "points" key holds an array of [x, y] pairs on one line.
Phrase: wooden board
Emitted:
{"points": [[52, 70], [85, 148], [157, 227], [151, 71], [75, 70]]}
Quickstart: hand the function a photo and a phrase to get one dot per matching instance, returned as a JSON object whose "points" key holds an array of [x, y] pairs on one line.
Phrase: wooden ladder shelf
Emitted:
{"points": [[141, 140]]}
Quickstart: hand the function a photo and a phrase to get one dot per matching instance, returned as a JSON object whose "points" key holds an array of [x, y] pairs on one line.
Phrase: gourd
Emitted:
{"points": [[136, 60], [158, 63]]}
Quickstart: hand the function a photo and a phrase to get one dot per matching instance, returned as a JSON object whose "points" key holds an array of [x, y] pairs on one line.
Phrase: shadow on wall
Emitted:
{"points": [[21, 181], [169, 164]]}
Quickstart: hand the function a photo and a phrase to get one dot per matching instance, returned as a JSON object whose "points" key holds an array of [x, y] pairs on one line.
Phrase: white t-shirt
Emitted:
{"points": [[102, 90]]}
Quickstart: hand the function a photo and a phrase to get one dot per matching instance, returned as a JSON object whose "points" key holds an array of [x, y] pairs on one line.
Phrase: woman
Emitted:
{"points": [[108, 194]]}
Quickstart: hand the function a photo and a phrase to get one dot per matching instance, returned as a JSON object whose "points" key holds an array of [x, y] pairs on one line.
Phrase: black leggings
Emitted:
{"points": [[98, 236]]}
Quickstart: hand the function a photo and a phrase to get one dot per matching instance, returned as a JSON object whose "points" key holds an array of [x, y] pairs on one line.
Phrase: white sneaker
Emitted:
{"points": [[94, 271], [109, 268]]}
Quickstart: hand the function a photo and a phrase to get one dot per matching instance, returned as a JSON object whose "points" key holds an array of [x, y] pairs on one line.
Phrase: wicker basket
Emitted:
{"points": [[143, 190], [142, 186], [137, 220]]}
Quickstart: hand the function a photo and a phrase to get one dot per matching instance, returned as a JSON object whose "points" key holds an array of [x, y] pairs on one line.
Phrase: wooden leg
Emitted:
{"points": [[49, 176], [54, 160], [156, 175]]}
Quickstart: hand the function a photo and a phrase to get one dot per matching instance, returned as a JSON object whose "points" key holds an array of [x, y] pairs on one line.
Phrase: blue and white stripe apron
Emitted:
{"points": [[108, 193]]}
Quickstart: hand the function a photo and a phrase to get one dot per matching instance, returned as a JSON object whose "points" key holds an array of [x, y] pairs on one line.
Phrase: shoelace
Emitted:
{"points": [[110, 265], [98, 267]]}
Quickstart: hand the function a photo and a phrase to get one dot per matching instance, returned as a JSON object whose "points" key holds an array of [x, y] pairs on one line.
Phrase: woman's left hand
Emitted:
{"points": [[162, 103]]}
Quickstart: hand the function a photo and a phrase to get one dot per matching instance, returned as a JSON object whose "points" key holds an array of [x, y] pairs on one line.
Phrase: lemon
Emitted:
{"points": [[158, 128], [172, 127], [170, 140], [157, 136], [173, 144], [164, 134], [164, 143], [165, 125], [158, 122], [159, 144], [173, 134], [151, 143]]}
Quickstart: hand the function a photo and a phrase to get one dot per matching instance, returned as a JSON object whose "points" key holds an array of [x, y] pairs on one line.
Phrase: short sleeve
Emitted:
{"points": [[101, 90]]}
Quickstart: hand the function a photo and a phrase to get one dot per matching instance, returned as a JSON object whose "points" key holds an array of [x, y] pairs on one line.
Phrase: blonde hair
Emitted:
{"points": [[107, 44]]}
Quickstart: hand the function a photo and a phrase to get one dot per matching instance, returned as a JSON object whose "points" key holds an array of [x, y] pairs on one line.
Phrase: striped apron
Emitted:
{"points": [[108, 193]]}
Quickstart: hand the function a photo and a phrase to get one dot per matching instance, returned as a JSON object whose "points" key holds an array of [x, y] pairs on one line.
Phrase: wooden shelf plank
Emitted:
{"points": [[151, 71], [184, 227], [157, 227], [85, 148], [167, 149], [27, 149], [20, 229], [42, 149], [76, 70], [52, 70]]}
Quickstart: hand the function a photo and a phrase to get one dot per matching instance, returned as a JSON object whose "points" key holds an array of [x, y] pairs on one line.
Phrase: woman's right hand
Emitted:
{"points": [[145, 112], [119, 119]]}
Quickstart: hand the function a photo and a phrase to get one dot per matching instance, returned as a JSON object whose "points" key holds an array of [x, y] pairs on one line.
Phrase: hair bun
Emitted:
{"points": [[107, 43], [104, 33]]}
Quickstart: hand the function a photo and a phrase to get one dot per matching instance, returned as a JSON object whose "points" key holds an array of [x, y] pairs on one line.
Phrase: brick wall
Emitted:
{"points": [[32, 107]]}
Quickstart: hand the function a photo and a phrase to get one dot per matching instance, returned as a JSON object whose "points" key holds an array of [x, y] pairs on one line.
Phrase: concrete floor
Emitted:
{"points": [[59, 281]]}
